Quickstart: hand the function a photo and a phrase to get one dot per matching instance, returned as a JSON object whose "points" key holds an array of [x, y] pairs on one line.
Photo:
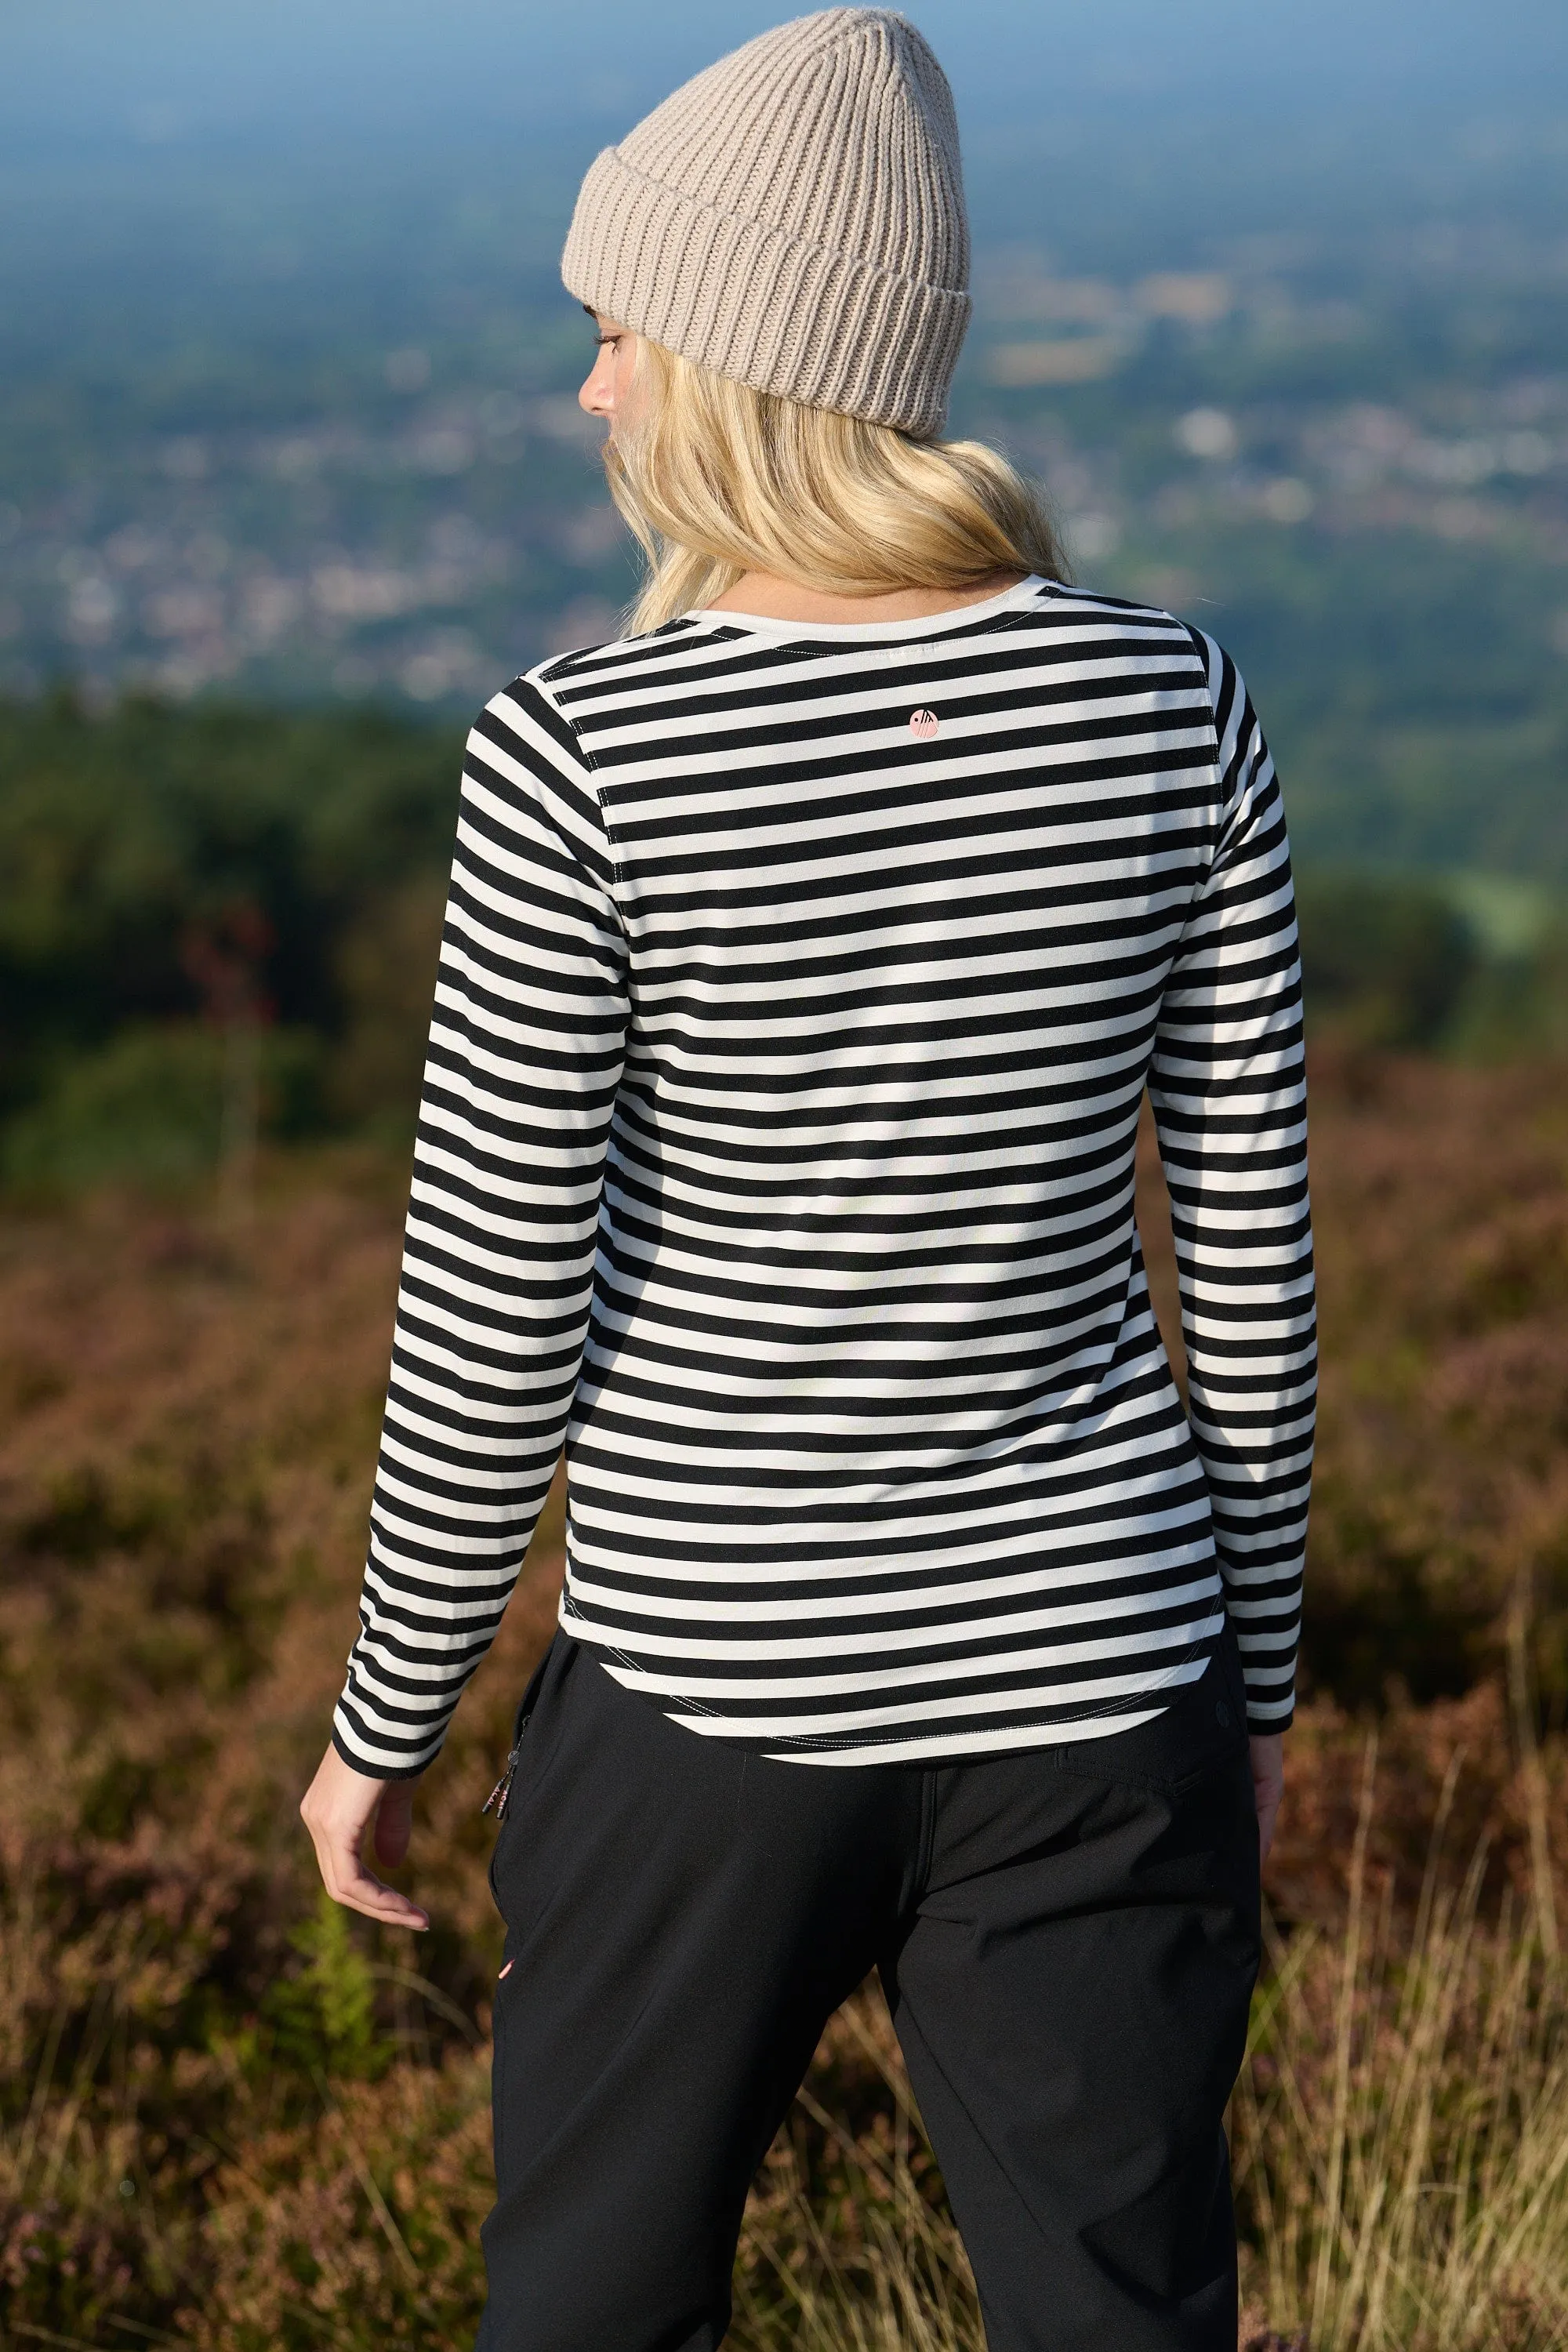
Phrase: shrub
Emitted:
{"points": [[232, 2114], [161, 1108], [1385, 963]]}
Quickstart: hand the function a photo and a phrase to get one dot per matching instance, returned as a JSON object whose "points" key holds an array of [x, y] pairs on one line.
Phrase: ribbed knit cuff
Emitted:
{"points": [[756, 305]]}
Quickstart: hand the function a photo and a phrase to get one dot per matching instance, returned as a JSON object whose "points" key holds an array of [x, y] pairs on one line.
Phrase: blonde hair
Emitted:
{"points": [[716, 479]]}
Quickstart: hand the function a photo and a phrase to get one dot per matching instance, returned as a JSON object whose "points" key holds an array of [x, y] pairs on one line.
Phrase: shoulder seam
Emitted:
{"points": [[1200, 645], [541, 682], [1203, 645], [549, 673]]}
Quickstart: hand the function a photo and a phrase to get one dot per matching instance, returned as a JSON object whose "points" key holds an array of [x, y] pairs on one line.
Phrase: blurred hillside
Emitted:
{"points": [[219, 923], [1276, 303], [176, 883]]}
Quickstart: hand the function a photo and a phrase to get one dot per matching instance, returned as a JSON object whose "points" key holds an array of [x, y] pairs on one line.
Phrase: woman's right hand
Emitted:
{"points": [[1267, 1784], [337, 1809]]}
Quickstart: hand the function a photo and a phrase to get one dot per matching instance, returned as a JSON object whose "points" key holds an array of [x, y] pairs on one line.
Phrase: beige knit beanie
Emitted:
{"points": [[794, 218]]}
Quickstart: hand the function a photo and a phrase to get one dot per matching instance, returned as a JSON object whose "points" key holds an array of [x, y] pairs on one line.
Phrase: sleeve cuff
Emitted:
{"points": [[381, 1771]]}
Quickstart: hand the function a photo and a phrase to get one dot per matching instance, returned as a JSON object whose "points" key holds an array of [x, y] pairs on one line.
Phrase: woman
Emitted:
{"points": [[809, 950]]}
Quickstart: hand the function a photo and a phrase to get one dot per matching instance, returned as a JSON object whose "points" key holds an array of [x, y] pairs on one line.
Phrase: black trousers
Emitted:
{"points": [[1069, 1940]]}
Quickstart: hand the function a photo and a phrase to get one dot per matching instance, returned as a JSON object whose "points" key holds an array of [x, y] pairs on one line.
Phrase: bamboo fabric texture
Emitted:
{"points": [[777, 1153]]}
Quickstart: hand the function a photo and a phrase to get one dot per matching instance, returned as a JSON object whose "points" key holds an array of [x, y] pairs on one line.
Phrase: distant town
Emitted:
{"points": [[1344, 451]]}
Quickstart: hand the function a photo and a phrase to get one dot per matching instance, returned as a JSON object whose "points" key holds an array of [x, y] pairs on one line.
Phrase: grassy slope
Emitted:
{"points": [[217, 2100]]}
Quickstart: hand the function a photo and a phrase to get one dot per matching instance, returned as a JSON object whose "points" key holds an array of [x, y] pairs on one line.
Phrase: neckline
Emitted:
{"points": [[928, 625]]}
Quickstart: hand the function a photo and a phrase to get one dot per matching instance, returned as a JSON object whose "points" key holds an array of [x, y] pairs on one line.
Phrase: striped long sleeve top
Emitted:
{"points": [[798, 993]]}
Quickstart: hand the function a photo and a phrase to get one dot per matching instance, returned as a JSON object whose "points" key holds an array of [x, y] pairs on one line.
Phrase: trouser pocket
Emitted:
{"points": [[500, 1796]]}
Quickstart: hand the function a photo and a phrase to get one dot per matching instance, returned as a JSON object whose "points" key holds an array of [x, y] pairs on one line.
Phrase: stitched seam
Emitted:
{"points": [[1193, 639], [592, 765], [970, 2116], [1153, 1783], [835, 1742]]}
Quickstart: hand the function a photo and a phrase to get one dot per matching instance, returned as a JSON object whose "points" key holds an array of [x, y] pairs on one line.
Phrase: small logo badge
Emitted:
{"points": [[923, 725]]}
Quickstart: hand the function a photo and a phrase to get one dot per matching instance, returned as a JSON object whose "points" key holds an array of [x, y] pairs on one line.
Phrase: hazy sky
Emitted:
{"points": [[177, 142], [170, 71]]}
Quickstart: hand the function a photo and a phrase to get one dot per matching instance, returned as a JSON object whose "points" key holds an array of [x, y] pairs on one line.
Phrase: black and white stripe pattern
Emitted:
{"points": [[777, 1151]]}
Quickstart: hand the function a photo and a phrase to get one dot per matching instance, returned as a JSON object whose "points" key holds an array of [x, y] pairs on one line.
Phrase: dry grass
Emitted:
{"points": [[1402, 2124], [230, 2120], [1401, 2139]]}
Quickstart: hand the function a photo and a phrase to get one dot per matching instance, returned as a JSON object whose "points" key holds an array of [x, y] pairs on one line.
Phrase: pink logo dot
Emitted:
{"points": [[923, 725]]}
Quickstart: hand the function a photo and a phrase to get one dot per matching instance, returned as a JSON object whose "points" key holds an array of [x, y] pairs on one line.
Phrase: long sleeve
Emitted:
{"points": [[525, 1056], [1228, 1092]]}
